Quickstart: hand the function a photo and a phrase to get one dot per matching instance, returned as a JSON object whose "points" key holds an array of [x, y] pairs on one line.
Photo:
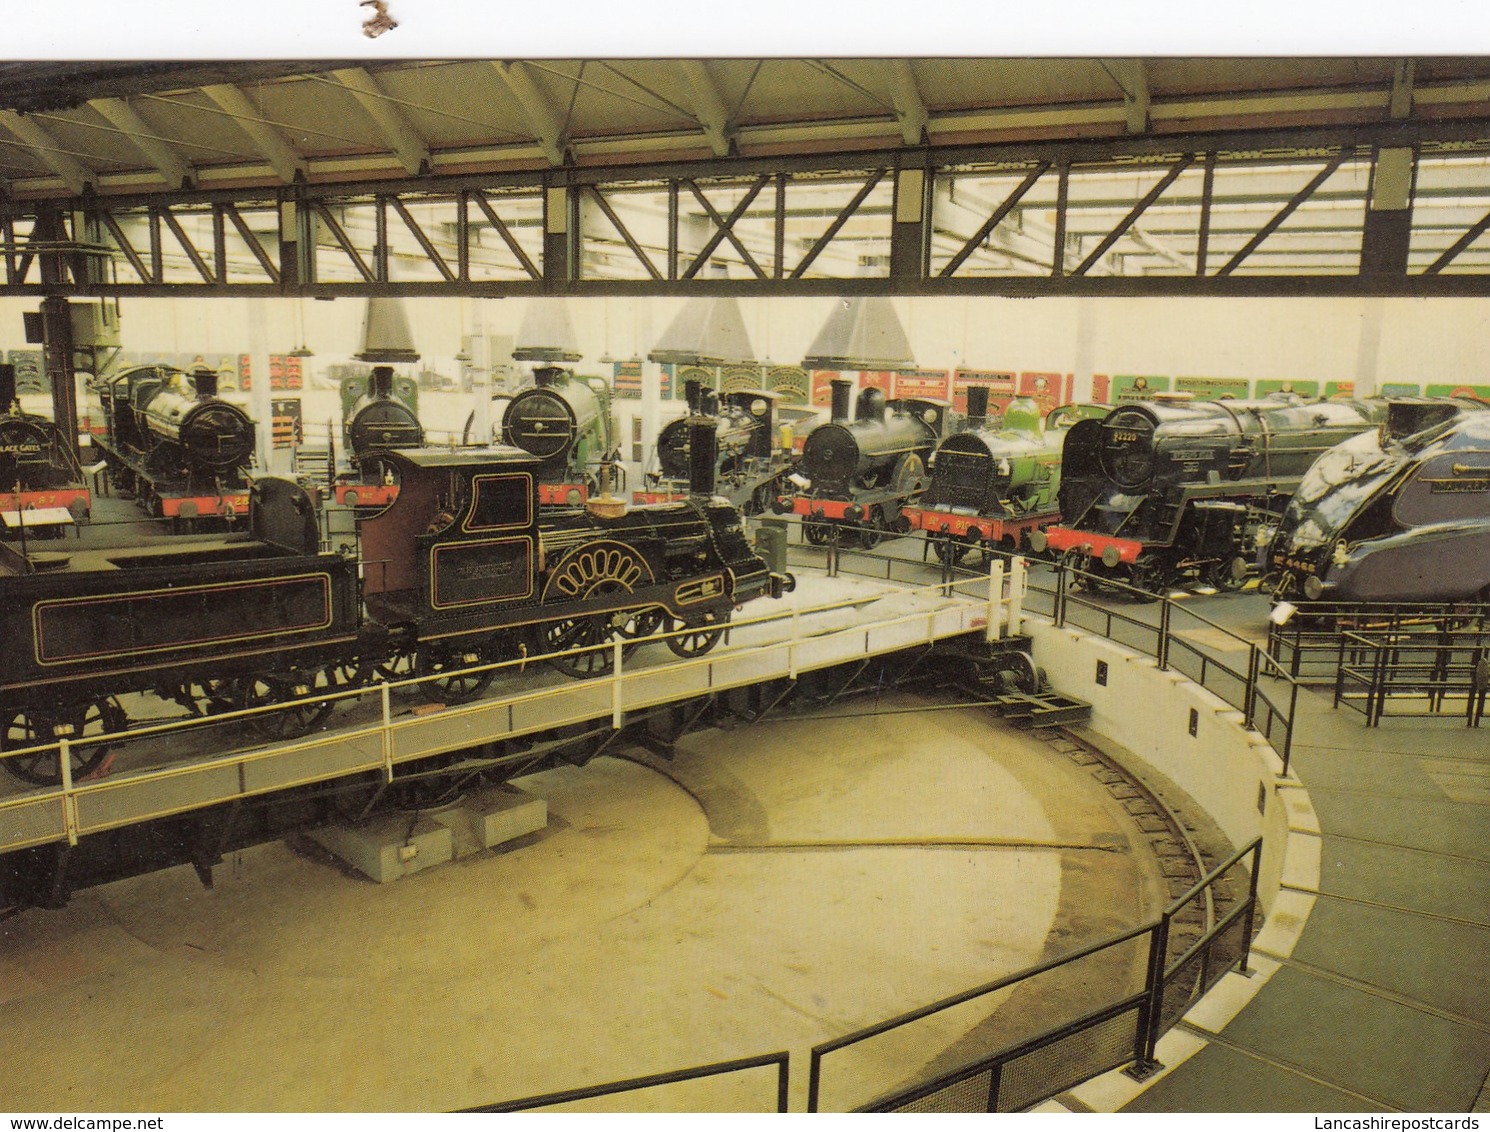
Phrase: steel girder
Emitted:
{"points": [[1263, 213]]}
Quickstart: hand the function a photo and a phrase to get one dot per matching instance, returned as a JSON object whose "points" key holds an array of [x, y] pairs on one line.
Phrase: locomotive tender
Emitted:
{"points": [[463, 568], [565, 421], [1169, 490], [859, 473], [1399, 514], [168, 439], [749, 467], [993, 485]]}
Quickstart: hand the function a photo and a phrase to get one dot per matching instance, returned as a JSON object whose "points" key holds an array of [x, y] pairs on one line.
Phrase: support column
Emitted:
{"points": [[910, 241], [56, 322], [1388, 229], [297, 245], [560, 237]]}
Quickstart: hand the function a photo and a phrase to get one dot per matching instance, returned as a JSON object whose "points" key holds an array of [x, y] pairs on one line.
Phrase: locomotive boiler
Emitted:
{"points": [[181, 450], [1399, 514], [994, 484], [565, 421], [748, 464], [464, 568], [379, 412], [38, 467], [857, 474], [1172, 490]]}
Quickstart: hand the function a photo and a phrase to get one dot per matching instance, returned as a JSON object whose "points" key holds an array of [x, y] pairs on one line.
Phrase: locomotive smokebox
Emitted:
{"points": [[977, 406], [871, 406], [544, 376], [842, 391], [380, 384], [703, 454], [7, 387], [205, 381]]}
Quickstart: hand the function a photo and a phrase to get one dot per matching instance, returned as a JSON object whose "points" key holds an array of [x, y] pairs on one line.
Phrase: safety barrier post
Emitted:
{"points": [[995, 592], [617, 717], [1165, 612], [1059, 616], [791, 648], [69, 801], [1251, 909], [387, 698], [1018, 580], [1147, 1040], [1249, 700]]}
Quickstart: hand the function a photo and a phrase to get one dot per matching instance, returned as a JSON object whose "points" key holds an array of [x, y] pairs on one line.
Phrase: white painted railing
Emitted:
{"points": [[778, 644]]}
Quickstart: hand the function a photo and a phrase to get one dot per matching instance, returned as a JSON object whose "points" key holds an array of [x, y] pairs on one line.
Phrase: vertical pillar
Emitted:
{"points": [[259, 395], [296, 243], [560, 237], [910, 241], [57, 347], [1388, 227]]}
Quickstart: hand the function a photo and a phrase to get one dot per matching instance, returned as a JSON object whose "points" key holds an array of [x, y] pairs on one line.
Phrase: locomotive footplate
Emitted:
{"points": [[1104, 547]]}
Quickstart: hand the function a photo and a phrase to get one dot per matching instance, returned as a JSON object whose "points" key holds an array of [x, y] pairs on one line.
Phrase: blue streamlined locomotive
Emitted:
{"points": [[1400, 514], [858, 474], [463, 568], [1171, 490]]}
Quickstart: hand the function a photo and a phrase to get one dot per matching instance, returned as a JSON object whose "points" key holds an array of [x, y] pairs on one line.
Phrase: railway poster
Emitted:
{"points": [[1047, 389], [1305, 389], [999, 383], [1401, 389], [740, 379], [1101, 388], [1482, 392], [881, 379], [1334, 389], [682, 375], [822, 387], [288, 426], [927, 384], [626, 379], [790, 383], [31, 375], [1137, 387], [1214, 388]]}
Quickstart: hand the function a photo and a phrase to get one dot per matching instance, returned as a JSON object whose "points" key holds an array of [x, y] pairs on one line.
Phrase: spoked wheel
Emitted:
{"points": [[698, 639], [578, 633], [454, 683], [295, 690], [1228, 576], [816, 533], [1144, 578], [873, 530], [950, 549], [641, 625], [33, 728], [394, 667]]}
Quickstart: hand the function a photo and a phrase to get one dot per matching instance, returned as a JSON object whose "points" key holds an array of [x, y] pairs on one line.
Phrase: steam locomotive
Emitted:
{"points": [[38, 468], [566, 422], [168, 439], [1400, 514], [379, 412], [992, 488], [749, 466], [1170, 490], [463, 568], [858, 474]]}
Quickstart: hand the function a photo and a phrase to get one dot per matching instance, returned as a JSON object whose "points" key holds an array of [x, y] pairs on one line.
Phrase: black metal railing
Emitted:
{"points": [[1307, 642], [781, 1060], [1112, 1034], [1420, 673]]}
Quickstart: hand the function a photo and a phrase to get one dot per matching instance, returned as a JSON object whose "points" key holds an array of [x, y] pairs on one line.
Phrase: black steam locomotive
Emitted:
{"points": [[749, 467], [858, 474], [379, 412], [38, 467], [463, 568], [1171, 490], [1399, 514], [565, 421], [169, 440]]}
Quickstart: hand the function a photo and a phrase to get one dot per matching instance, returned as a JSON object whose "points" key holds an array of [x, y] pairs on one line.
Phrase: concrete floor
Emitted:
{"points": [[772, 887]]}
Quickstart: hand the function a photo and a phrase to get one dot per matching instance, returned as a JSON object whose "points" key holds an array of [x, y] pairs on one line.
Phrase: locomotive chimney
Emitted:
{"points": [[977, 406], [693, 393], [7, 387], [205, 381], [842, 391], [703, 454], [544, 376], [380, 384], [871, 405]]}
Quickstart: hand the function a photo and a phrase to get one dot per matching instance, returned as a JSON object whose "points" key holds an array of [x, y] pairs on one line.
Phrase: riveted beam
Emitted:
{"points": [[507, 237], [910, 109], [1138, 209], [402, 139], [713, 114], [541, 115], [75, 175], [636, 249], [1003, 210], [838, 222], [725, 228], [171, 166], [288, 165], [1285, 212]]}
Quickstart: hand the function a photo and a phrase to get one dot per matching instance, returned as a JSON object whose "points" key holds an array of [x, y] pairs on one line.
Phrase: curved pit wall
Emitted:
{"points": [[1231, 773]]}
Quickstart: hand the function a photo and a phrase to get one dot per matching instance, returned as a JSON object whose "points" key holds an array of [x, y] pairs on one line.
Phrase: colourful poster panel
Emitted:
{"points": [[927, 384], [626, 379], [881, 379], [791, 384], [1213, 388], [740, 379], [1274, 385], [1000, 385], [1137, 387], [288, 424], [1047, 389], [682, 375], [822, 387], [1401, 389], [1101, 388], [1340, 389], [1482, 392], [31, 374]]}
